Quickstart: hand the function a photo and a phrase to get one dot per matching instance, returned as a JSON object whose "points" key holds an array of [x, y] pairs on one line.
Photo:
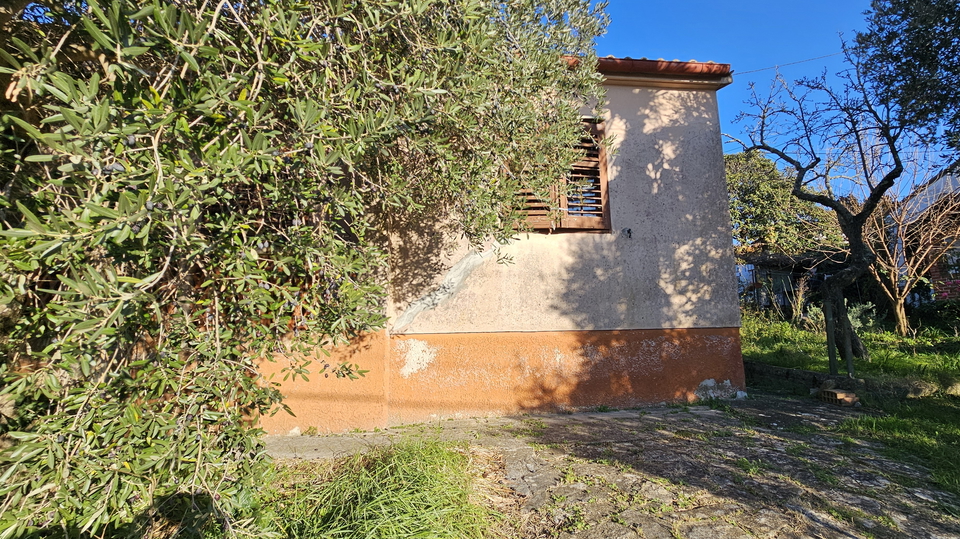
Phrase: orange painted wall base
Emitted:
{"points": [[415, 378]]}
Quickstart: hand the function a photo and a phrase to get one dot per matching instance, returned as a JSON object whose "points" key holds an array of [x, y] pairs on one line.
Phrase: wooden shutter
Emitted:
{"points": [[539, 213], [585, 205]]}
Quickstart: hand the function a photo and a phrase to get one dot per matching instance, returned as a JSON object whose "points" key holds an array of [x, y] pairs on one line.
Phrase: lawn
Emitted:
{"points": [[923, 430], [933, 353]]}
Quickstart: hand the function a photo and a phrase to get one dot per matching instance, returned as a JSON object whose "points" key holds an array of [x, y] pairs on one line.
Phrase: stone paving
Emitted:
{"points": [[767, 466]]}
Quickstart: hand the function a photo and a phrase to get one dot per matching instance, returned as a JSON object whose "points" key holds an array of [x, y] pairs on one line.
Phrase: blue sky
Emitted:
{"points": [[748, 34]]}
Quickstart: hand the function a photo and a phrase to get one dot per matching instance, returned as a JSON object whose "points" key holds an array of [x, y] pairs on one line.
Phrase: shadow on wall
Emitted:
{"points": [[416, 247], [664, 276]]}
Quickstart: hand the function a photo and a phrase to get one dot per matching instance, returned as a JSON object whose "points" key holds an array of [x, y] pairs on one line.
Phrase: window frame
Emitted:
{"points": [[556, 215]]}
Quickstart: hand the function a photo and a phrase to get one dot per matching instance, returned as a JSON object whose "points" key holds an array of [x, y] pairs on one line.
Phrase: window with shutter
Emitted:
{"points": [[583, 204]]}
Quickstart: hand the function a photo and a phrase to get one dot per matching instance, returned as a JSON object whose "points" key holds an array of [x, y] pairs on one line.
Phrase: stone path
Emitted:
{"points": [[767, 466]]}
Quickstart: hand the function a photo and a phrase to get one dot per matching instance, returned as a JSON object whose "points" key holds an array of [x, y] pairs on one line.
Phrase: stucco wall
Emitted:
{"points": [[667, 263], [415, 378], [331, 404], [477, 374], [644, 313]]}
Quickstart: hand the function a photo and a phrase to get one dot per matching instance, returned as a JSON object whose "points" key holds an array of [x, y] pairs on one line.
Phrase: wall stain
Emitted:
{"points": [[416, 356]]}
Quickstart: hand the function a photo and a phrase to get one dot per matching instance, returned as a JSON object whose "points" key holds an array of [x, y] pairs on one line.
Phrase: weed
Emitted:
{"points": [[802, 428], [659, 508], [718, 404], [750, 467], [924, 430], [311, 431], [951, 510], [532, 427], [856, 517], [685, 501], [603, 408], [693, 435], [842, 514], [535, 424], [930, 353], [410, 489], [569, 475], [825, 477], [576, 520], [795, 450]]}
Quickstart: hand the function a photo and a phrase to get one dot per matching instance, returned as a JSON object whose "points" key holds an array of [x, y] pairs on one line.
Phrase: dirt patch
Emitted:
{"points": [[768, 466]]}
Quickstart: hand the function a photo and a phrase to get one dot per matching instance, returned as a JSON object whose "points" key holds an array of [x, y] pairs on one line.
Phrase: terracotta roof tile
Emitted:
{"points": [[626, 66]]}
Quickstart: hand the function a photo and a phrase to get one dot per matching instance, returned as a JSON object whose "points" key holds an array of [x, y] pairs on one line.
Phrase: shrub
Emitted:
{"points": [[945, 313], [192, 187], [863, 316]]}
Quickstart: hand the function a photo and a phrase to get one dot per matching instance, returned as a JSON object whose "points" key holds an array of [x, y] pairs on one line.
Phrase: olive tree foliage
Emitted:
{"points": [[910, 49], [766, 217], [189, 187], [845, 145]]}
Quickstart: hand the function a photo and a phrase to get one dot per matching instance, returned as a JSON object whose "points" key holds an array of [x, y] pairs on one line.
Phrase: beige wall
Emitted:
{"points": [[667, 263], [645, 313]]}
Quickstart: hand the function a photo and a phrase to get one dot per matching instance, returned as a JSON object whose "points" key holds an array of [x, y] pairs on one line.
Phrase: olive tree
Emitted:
{"points": [[188, 188]]}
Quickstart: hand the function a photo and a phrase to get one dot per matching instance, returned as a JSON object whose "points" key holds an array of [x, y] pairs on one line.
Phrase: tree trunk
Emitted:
{"points": [[842, 340], [828, 316], [846, 333], [900, 316]]}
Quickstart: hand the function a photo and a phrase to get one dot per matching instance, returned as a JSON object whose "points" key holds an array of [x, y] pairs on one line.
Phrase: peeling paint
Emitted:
{"points": [[710, 389], [558, 357], [416, 356]]}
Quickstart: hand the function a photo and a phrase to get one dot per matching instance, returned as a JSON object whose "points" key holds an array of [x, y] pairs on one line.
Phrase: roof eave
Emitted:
{"points": [[672, 74]]}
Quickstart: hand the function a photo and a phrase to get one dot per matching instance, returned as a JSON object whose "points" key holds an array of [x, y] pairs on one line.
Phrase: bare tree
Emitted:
{"points": [[834, 138], [914, 226]]}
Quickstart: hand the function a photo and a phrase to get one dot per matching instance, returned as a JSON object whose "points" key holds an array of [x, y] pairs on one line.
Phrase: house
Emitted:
{"points": [[935, 197], [631, 300]]}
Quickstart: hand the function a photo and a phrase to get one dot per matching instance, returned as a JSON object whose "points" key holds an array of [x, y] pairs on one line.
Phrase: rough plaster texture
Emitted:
{"points": [[645, 313], [331, 404], [428, 377], [667, 263]]}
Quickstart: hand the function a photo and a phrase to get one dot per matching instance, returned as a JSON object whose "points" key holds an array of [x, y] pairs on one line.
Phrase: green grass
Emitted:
{"points": [[924, 431], [750, 467], [412, 489], [932, 354]]}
